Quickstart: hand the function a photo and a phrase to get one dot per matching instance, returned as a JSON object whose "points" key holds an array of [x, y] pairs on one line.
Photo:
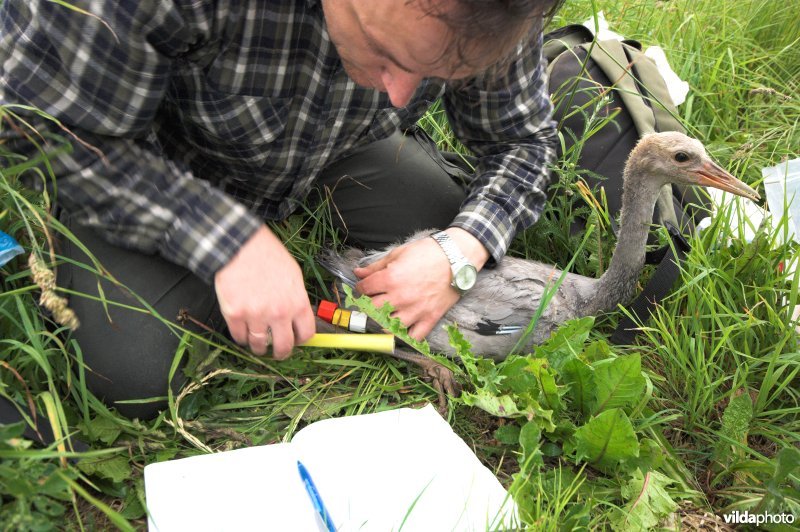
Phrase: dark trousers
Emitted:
{"points": [[380, 194]]}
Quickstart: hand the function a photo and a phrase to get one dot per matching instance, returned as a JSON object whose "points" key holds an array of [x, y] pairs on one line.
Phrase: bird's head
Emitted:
{"points": [[672, 157]]}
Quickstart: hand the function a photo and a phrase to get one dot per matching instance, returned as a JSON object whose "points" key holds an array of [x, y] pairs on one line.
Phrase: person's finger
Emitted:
{"points": [[282, 339], [408, 317], [421, 329], [258, 340], [379, 300], [373, 267], [237, 328], [304, 326], [376, 283]]}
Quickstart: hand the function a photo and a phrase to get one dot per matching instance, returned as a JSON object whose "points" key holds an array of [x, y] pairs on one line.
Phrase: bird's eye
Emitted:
{"points": [[681, 157]]}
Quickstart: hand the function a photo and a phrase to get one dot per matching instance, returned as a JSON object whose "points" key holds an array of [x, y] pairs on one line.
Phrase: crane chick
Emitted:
{"points": [[494, 314]]}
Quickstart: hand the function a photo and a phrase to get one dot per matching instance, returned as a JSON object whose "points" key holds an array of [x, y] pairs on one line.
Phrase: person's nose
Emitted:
{"points": [[400, 86]]}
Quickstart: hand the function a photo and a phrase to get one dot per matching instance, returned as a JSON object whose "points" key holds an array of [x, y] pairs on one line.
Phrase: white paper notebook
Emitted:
{"points": [[400, 469]]}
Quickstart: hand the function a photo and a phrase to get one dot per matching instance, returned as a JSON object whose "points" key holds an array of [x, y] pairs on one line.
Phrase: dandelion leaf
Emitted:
{"points": [[115, 468], [566, 342], [778, 496], [101, 428], [607, 439], [497, 405], [648, 502], [619, 382], [582, 390]]}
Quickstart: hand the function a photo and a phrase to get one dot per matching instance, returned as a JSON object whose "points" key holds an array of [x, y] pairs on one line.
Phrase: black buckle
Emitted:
{"points": [[678, 239]]}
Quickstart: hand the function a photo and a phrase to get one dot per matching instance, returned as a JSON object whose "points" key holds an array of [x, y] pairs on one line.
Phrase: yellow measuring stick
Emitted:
{"points": [[376, 343]]}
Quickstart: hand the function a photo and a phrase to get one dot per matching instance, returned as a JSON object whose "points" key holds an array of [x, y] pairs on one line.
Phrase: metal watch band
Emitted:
{"points": [[450, 248], [463, 272]]}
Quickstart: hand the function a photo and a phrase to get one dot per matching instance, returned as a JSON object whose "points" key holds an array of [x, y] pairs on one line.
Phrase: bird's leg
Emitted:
{"points": [[442, 378], [439, 376]]}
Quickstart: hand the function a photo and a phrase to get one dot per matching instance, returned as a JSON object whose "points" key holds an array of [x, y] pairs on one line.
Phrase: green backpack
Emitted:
{"points": [[612, 94]]}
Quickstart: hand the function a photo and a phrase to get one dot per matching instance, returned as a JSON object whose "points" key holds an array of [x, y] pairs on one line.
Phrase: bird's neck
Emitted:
{"points": [[618, 283]]}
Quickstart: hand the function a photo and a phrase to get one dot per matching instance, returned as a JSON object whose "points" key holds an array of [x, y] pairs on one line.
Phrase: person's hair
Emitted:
{"points": [[489, 29]]}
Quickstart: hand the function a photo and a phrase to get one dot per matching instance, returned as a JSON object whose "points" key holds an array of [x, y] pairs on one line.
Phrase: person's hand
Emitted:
{"points": [[263, 298], [415, 278]]}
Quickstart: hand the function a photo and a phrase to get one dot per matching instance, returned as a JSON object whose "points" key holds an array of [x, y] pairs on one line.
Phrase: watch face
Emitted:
{"points": [[465, 277]]}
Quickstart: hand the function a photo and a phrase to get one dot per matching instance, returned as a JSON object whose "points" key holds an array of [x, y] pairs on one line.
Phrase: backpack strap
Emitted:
{"points": [[564, 39], [617, 64]]}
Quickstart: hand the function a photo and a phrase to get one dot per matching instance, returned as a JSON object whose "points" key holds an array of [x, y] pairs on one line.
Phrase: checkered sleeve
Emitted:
{"points": [[508, 126], [102, 78]]}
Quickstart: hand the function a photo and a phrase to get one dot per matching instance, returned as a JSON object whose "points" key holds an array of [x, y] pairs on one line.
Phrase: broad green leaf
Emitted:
{"points": [[597, 350], [787, 462], [566, 342], [651, 456], [11, 431], [485, 374], [507, 434], [15, 486], [497, 405], [607, 439], [565, 434], [552, 488], [647, 502], [201, 359], [549, 394], [52, 485], [48, 506], [101, 428], [579, 376], [132, 507], [116, 468], [162, 455], [551, 450], [529, 438], [518, 376], [619, 382], [482, 372]]}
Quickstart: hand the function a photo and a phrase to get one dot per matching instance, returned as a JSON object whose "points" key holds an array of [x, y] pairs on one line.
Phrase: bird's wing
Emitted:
{"points": [[496, 312], [503, 300], [341, 265]]}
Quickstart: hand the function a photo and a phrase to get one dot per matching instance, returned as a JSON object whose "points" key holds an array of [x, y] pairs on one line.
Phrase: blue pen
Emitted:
{"points": [[316, 500]]}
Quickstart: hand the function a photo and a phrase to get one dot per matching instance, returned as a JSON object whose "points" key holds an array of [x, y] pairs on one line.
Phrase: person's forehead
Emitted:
{"points": [[417, 38], [463, 54]]}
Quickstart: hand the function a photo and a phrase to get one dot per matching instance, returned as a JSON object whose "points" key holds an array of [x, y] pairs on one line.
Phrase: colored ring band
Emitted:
{"points": [[326, 309], [344, 319], [358, 322]]}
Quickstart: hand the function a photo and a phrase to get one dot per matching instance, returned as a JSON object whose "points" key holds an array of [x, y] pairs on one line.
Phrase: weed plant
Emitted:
{"points": [[698, 418]]}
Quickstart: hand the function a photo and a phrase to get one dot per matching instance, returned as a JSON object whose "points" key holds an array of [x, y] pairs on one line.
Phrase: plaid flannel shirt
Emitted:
{"points": [[199, 119]]}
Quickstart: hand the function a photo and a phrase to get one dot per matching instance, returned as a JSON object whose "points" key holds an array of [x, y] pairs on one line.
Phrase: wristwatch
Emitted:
{"points": [[464, 272]]}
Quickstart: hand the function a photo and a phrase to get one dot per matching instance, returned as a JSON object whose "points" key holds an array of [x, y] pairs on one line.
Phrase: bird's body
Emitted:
{"points": [[494, 314]]}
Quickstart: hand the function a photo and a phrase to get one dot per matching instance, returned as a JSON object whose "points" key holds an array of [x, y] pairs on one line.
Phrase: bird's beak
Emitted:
{"points": [[712, 175]]}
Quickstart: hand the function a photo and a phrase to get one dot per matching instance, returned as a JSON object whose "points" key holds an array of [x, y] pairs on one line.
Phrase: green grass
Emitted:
{"points": [[720, 356]]}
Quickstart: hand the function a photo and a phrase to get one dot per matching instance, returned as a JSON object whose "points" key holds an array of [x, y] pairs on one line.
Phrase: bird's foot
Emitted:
{"points": [[442, 378]]}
